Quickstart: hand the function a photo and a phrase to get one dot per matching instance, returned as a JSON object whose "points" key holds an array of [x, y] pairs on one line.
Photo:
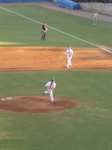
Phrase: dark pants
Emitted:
{"points": [[43, 35]]}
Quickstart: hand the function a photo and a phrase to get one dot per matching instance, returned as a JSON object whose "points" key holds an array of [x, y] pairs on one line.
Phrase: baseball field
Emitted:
{"points": [[81, 118]]}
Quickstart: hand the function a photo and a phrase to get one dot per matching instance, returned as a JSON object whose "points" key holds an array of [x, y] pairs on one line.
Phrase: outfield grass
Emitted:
{"points": [[85, 127], [21, 24]]}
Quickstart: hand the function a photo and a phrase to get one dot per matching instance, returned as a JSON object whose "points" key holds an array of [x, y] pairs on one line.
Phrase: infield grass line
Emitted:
{"points": [[57, 30]]}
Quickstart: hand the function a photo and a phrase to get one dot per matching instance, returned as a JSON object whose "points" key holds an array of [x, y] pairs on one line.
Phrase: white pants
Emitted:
{"points": [[50, 94], [69, 63]]}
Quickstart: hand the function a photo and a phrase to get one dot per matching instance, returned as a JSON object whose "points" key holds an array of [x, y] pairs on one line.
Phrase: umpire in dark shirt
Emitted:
{"points": [[44, 30]]}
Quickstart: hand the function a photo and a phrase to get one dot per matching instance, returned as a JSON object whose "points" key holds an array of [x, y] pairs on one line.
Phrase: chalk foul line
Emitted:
{"points": [[57, 30]]}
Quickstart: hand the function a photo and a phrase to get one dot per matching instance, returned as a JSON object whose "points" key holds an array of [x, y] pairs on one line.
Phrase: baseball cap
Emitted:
{"points": [[52, 80]]}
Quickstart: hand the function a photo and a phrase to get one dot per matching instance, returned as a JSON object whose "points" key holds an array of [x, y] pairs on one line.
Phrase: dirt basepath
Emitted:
{"points": [[52, 58]]}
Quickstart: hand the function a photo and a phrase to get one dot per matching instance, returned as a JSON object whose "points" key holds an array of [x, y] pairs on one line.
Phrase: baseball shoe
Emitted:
{"points": [[53, 102], [43, 93]]}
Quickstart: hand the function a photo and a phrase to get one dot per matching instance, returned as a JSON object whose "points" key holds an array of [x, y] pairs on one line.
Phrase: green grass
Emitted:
{"points": [[84, 85], [18, 29], [84, 127], [67, 131], [87, 126]]}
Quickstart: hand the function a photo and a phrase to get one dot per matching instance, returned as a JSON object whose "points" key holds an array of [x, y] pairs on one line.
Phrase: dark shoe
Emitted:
{"points": [[43, 93], [53, 102]]}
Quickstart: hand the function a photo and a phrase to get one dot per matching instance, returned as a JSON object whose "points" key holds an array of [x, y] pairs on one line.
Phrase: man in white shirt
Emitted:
{"points": [[69, 53], [50, 85]]}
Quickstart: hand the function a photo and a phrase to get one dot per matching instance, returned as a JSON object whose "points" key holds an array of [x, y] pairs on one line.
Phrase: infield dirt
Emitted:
{"points": [[47, 58], [52, 58]]}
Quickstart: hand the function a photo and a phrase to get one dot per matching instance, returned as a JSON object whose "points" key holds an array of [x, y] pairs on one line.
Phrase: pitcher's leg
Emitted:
{"points": [[70, 64], [51, 96], [45, 92]]}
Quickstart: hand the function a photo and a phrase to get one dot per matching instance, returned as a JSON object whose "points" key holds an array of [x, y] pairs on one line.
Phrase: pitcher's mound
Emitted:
{"points": [[35, 104]]}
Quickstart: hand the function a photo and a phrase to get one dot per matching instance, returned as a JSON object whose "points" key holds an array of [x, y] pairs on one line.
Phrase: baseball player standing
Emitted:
{"points": [[44, 31], [69, 53], [95, 16], [50, 85]]}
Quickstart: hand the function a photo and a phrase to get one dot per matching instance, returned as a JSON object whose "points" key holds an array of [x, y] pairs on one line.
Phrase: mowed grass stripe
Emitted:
{"points": [[82, 40]]}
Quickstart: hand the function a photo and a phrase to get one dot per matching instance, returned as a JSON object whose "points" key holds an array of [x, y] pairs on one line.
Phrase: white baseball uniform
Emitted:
{"points": [[50, 87], [69, 53]]}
